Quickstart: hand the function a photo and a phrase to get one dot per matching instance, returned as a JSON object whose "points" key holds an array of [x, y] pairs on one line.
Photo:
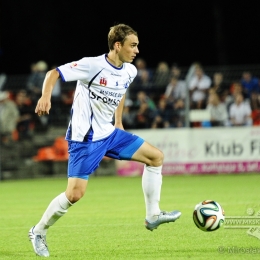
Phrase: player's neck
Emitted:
{"points": [[114, 59]]}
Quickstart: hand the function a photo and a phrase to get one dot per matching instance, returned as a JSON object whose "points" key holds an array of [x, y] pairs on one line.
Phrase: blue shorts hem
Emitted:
{"points": [[128, 152], [84, 177]]}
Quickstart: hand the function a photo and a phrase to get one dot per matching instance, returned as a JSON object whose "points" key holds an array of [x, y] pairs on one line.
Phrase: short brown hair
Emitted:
{"points": [[118, 33]]}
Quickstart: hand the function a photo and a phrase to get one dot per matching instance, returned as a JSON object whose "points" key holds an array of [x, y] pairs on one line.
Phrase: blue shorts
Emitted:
{"points": [[84, 157]]}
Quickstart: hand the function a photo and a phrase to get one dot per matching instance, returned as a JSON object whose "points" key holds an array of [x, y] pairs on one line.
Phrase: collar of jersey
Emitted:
{"points": [[112, 64]]}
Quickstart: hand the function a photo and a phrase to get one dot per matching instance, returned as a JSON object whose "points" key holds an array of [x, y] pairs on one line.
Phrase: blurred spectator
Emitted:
{"points": [[142, 98], [256, 117], [218, 111], [199, 85], [162, 115], [3, 78], [35, 80], [235, 88], [178, 114], [67, 98], [128, 116], [9, 114], [26, 115], [251, 88], [219, 86], [143, 77], [175, 90], [144, 116], [161, 79], [66, 102], [175, 72], [191, 72], [34, 89], [145, 108], [142, 80], [240, 112]]}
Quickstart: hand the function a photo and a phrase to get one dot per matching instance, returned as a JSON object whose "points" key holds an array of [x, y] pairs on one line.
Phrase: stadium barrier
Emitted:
{"points": [[16, 161], [201, 150], [186, 151]]}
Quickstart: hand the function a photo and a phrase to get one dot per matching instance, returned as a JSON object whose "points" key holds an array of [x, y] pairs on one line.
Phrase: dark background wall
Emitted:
{"points": [[211, 32]]}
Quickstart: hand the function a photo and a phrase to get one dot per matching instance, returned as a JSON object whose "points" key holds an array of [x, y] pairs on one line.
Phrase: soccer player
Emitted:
{"points": [[99, 97]]}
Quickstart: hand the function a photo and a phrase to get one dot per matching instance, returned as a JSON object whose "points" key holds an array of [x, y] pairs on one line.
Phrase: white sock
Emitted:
{"points": [[151, 183], [56, 209]]}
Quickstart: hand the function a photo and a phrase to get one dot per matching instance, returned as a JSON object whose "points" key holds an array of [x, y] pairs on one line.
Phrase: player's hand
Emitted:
{"points": [[43, 106], [41, 113]]}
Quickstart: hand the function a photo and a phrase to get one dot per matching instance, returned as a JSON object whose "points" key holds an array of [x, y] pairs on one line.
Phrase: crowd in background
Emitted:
{"points": [[156, 99], [159, 99], [18, 120]]}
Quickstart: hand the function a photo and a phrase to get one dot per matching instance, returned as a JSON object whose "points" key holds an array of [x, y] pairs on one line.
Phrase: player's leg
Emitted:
{"points": [[37, 234], [78, 173], [83, 160], [151, 184], [76, 189], [149, 155], [151, 178], [126, 146], [57, 208]]}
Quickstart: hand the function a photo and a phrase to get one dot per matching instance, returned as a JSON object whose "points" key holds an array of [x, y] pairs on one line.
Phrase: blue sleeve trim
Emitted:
{"points": [[62, 77]]}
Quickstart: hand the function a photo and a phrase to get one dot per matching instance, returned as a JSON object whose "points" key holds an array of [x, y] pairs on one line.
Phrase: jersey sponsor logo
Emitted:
{"points": [[111, 93], [103, 81], [106, 100], [113, 74], [74, 64], [117, 83]]}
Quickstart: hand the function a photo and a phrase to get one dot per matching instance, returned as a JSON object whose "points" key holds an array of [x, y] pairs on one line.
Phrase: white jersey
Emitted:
{"points": [[100, 88], [240, 112]]}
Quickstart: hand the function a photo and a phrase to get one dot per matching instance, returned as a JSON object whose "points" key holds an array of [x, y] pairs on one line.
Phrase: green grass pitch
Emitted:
{"points": [[108, 223]]}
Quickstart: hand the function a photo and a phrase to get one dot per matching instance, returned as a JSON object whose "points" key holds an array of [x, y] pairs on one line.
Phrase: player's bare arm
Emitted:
{"points": [[119, 113], [44, 103]]}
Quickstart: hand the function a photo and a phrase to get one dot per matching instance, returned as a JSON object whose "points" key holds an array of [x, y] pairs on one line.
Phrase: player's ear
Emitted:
{"points": [[117, 46]]}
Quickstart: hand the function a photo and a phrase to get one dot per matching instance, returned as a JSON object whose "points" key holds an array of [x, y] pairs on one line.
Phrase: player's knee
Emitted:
{"points": [[74, 196], [158, 159]]}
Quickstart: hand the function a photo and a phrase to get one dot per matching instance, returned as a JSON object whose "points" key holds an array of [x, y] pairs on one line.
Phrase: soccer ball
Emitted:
{"points": [[208, 215]]}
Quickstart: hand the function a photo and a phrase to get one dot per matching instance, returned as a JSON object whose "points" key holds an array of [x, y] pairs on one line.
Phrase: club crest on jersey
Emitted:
{"points": [[74, 64], [103, 82]]}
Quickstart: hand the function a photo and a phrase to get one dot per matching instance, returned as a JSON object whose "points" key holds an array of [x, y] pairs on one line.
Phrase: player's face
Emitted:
{"points": [[128, 51]]}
